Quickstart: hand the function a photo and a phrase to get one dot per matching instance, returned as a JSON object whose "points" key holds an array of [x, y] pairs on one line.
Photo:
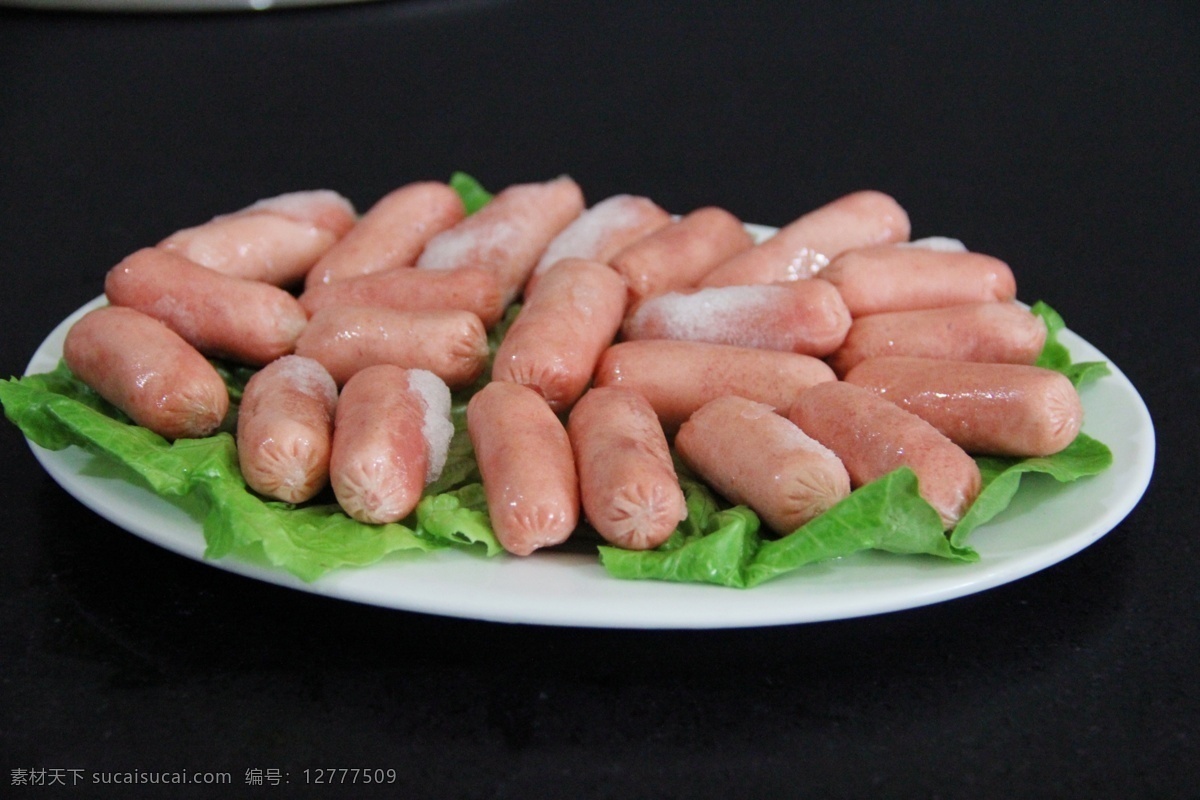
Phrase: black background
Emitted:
{"points": [[1059, 137]]}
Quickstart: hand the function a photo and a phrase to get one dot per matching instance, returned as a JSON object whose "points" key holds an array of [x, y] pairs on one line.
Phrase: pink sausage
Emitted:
{"points": [[527, 466], [801, 248], [276, 240], [407, 289], [145, 369], [755, 457], [601, 231], [564, 326], [384, 451], [873, 437], [220, 315], [988, 409], [451, 344], [987, 332], [880, 279], [285, 429], [678, 377], [509, 234], [806, 317], [391, 233], [627, 482], [679, 255]]}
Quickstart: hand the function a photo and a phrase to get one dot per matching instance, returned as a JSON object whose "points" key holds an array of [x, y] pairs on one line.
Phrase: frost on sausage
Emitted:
{"points": [[391, 233], [680, 254], [407, 289], [220, 315], [627, 482], [986, 409], [563, 327], [285, 429], [801, 248], [451, 344], [148, 371], [806, 317], [276, 240], [986, 332], [678, 377], [753, 456], [880, 279], [391, 432], [527, 466], [509, 234], [601, 231], [873, 437]]}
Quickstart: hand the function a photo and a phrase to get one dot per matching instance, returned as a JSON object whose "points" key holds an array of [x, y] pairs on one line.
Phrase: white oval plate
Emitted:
{"points": [[1045, 523]]}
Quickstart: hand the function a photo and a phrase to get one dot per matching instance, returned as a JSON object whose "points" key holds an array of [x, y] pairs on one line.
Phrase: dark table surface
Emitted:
{"points": [[1061, 139]]}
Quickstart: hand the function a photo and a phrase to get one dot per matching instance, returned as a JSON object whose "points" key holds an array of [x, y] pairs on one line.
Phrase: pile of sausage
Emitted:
{"points": [[784, 372]]}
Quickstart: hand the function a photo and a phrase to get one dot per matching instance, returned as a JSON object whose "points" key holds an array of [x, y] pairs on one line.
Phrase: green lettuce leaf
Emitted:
{"points": [[1055, 355], [473, 195]]}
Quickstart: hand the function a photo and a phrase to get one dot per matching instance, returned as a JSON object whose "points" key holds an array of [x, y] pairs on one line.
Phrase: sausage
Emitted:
{"points": [[391, 233], [987, 332], [627, 482], [285, 429], [449, 343], [407, 289], [986, 409], [755, 457], [678, 377], [802, 247], [806, 317], [391, 429], [527, 466], [680, 254], [873, 437], [148, 371], [601, 231], [509, 234], [878, 279], [564, 326], [276, 240], [220, 315]]}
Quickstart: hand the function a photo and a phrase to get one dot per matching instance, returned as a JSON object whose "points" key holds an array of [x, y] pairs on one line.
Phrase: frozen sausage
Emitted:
{"points": [[627, 483], [248, 321], [806, 317], [801, 248], [678, 377], [873, 437], [527, 466], [285, 429], [988, 332], [509, 234], [753, 456], [451, 344], [148, 371], [987, 409], [563, 327], [878, 279], [391, 233], [680, 254], [276, 240], [391, 432]]}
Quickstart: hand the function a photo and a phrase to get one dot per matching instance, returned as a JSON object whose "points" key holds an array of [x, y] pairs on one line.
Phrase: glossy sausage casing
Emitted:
{"points": [[678, 377], [285, 429], [987, 409], [873, 437], [627, 482], [148, 371], [754, 456], [243, 320], [563, 327], [527, 466]]}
